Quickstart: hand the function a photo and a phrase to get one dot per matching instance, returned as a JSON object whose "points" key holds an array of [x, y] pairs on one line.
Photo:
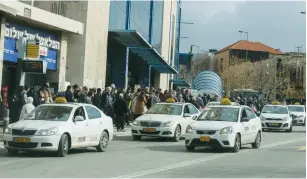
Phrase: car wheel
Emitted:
{"points": [[12, 152], [63, 146], [103, 142], [136, 137], [289, 130], [189, 148], [177, 134], [237, 144], [257, 142]]}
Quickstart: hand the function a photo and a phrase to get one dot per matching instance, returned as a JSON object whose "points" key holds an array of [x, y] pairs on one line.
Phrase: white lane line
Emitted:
{"points": [[191, 162]]}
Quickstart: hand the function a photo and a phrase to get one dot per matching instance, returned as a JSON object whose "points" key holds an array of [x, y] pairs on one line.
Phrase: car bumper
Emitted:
{"points": [[299, 121], [216, 140], [37, 143], [167, 132], [277, 125]]}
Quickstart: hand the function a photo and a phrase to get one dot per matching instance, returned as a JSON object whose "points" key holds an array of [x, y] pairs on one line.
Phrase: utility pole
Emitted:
{"points": [[299, 49]]}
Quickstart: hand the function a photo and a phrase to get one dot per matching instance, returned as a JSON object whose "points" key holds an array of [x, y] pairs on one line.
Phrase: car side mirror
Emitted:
{"points": [[186, 115], [78, 118], [258, 113], [244, 119], [194, 117]]}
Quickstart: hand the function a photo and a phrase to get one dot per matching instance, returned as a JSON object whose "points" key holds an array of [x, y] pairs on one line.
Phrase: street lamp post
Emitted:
{"points": [[240, 31]]}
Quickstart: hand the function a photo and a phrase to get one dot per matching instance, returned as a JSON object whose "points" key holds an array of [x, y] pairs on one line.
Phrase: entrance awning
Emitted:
{"points": [[180, 82], [139, 46]]}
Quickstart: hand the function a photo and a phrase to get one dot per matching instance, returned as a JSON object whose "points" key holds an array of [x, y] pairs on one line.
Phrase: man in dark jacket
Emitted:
{"points": [[68, 94], [97, 99], [121, 109]]}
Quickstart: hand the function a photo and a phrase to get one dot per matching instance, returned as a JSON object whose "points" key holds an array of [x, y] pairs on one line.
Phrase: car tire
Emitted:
{"points": [[136, 137], [63, 146], [237, 144], [289, 130], [190, 148], [257, 142], [177, 134], [103, 142], [12, 152]]}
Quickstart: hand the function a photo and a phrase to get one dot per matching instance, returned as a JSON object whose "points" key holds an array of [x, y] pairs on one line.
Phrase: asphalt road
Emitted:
{"points": [[281, 155]]}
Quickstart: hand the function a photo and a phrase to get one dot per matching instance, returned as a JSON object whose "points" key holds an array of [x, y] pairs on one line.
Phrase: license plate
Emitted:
{"points": [[274, 124], [204, 138], [149, 130], [21, 140]]}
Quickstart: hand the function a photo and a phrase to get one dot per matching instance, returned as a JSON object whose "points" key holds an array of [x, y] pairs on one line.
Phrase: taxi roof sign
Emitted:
{"points": [[60, 100], [225, 101], [276, 103]]}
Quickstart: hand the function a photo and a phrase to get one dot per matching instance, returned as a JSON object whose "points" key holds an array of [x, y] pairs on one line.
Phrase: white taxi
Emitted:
{"points": [[224, 126], [166, 120], [298, 114], [276, 117], [59, 128]]}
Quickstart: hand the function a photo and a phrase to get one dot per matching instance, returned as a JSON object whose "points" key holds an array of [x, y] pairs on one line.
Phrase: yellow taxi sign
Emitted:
{"points": [[276, 103], [60, 100], [225, 101], [297, 103]]}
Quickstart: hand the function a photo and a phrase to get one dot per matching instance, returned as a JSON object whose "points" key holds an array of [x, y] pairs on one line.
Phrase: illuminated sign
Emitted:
{"points": [[32, 49], [33, 66]]}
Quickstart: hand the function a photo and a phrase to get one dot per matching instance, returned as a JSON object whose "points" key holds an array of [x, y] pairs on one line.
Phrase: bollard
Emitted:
{"points": [[6, 118]]}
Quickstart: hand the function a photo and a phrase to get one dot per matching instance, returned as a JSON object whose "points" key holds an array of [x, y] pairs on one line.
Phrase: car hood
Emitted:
{"points": [[36, 124], [271, 115], [158, 117], [210, 125], [298, 113]]}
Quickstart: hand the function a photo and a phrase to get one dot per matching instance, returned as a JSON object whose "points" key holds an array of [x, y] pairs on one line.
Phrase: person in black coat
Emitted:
{"points": [[69, 94], [121, 109]]}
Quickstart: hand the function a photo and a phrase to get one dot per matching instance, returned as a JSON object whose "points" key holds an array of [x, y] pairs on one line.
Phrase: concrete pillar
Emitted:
{"points": [[2, 36]]}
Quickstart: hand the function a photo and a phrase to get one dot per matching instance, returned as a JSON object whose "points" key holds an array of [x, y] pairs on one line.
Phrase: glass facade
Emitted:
{"points": [[139, 17], [177, 39], [172, 40], [157, 25], [117, 18]]}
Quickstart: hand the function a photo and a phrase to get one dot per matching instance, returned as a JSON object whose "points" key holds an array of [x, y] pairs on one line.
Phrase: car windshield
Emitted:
{"points": [[168, 109], [213, 104], [296, 108], [275, 109], [50, 113], [220, 114]]}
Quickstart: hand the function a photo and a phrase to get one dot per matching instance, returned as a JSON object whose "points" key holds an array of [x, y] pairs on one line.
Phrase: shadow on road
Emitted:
{"points": [[144, 139]]}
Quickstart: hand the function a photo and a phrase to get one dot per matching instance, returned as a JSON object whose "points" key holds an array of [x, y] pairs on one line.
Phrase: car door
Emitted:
{"points": [[79, 129], [95, 124], [185, 120], [254, 123], [244, 127]]}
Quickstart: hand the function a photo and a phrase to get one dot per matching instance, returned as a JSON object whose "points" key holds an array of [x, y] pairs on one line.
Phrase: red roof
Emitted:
{"points": [[251, 46]]}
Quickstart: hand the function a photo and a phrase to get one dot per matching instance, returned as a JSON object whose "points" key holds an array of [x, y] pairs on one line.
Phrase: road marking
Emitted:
{"points": [[205, 159]]}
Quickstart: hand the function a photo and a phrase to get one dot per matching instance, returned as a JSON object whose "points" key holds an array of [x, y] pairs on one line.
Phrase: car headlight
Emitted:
{"points": [[8, 130], [301, 116], [167, 124], [189, 129], [226, 130], [262, 118], [47, 132], [136, 123]]}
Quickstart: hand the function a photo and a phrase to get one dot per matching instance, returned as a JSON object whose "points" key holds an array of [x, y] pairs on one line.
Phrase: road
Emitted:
{"points": [[281, 155]]}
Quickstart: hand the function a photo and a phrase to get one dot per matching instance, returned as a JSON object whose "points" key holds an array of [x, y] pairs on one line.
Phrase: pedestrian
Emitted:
{"points": [[200, 102], [169, 98], [180, 98], [27, 108], [88, 99], [97, 99], [48, 96], [121, 110], [193, 101], [155, 97], [69, 94], [140, 105], [107, 103]]}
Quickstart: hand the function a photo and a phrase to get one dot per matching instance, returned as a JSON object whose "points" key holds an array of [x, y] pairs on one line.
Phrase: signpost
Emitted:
{"points": [[32, 49]]}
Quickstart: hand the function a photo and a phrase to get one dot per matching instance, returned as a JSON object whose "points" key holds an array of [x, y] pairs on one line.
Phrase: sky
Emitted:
{"points": [[278, 24]]}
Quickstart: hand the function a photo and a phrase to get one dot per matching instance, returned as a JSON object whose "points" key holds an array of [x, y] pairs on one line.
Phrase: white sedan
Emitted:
{"points": [[276, 117], [59, 128], [168, 120], [224, 126], [298, 114]]}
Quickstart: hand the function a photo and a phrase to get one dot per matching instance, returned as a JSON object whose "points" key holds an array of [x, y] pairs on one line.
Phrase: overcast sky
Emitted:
{"points": [[277, 24]]}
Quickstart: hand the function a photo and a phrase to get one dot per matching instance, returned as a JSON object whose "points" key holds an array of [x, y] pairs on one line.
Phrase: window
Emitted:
{"points": [[50, 113], [172, 40], [192, 109], [157, 25], [168, 109], [221, 64], [139, 18], [80, 112], [220, 114], [186, 109], [92, 112], [250, 114], [275, 109]]}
